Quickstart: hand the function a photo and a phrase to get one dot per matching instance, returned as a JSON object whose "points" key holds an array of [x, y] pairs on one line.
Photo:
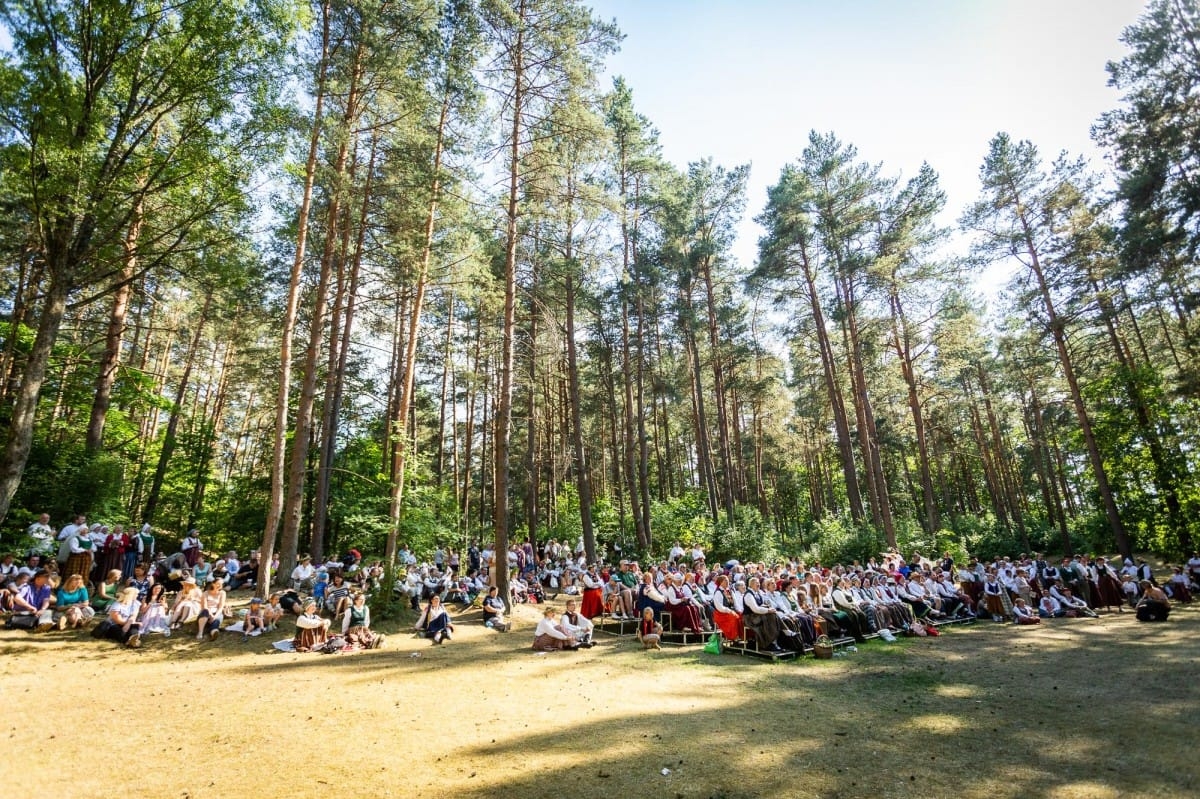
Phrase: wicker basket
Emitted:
{"points": [[823, 648]]}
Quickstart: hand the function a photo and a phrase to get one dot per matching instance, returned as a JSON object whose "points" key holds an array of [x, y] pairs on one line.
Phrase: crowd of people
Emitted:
{"points": [[81, 574], [70, 578]]}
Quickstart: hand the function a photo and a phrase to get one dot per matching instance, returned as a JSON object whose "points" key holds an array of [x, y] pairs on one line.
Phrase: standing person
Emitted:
{"points": [[144, 544], [191, 547], [65, 535], [41, 536], [80, 552], [116, 544], [212, 611]]}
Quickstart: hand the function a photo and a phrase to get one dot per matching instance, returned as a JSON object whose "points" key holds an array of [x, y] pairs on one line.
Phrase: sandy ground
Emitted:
{"points": [[1077, 708]]}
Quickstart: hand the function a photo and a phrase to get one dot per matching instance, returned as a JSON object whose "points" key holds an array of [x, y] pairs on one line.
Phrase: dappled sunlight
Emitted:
{"points": [[940, 723], [957, 691]]}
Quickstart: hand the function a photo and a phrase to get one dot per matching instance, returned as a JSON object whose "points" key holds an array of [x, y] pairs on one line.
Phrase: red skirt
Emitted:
{"points": [[593, 603], [730, 625]]}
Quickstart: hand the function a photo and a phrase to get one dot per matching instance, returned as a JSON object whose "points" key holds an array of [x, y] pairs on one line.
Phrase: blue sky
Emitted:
{"points": [[905, 82]]}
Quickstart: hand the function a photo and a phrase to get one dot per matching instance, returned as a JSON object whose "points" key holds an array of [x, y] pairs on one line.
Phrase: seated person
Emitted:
{"points": [[356, 624], [312, 632], [649, 630], [34, 598], [435, 621], [759, 615], [337, 595], [1072, 605], [493, 611], [256, 618], [246, 575], [576, 625], [303, 576], [123, 626], [273, 611], [1153, 606], [549, 636], [8, 595], [1177, 586], [1050, 608], [71, 601], [648, 596], [1023, 614], [106, 591], [520, 590], [684, 615], [618, 599], [187, 604]]}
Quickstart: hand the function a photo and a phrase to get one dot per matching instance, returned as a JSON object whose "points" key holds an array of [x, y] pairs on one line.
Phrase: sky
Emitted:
{"points": [[903, 81]]}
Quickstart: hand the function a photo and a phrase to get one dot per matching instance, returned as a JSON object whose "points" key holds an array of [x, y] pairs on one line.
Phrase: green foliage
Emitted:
{"points": [[684, 518], [839, 539], [750, 538]]}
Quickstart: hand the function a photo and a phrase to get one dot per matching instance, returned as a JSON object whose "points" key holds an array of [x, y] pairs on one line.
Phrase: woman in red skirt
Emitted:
{"points": [[725, 614], [593, 594]]}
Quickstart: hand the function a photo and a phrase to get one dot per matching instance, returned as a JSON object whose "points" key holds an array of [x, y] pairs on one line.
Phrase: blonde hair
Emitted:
{"points": [[71, 580], [113, 576], [126, 595]]}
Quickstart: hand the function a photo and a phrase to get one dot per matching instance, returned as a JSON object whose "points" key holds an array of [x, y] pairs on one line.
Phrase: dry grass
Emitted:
{"points": [[1078, 708]]}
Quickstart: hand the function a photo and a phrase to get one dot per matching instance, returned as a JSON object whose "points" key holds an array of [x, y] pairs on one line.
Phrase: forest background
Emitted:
{"points": [[314, 276]]}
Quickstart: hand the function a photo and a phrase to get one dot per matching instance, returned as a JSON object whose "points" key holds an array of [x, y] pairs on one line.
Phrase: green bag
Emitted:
{"points": [[713, 647]]}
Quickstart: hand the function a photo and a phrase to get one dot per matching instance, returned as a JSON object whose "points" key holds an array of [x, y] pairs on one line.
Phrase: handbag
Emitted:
{"points": [[22, 622], [713, 646]]}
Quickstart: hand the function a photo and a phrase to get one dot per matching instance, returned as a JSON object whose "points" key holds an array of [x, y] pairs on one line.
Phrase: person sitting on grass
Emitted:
{"points": [[34, 598], [123, 626], [312, 632], [356, 624], [187, 604], [256, 618], [576, 625], [337, 595], [1177, 586], [212, 611], [1023, 614], [1153, 606], [493, 611], [1072, 605], [71, 600], [1050, 608], [649, 630], [435, 621], [549, 636], [155, 614], [273, 611]]}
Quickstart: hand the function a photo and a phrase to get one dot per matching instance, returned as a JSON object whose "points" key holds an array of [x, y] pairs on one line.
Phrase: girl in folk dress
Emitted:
{"points": [[312, 632], [993, 597], [649, 630], [356, 625]]}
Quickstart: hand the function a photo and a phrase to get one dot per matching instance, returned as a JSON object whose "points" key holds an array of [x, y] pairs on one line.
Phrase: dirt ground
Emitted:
{"points": [[1076, 708]]}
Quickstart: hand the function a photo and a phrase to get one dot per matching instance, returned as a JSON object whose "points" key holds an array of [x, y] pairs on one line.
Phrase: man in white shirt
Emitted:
{"points": [[41, 535], [1049, 608], [304, 575], [676, 553], [574, 624]]}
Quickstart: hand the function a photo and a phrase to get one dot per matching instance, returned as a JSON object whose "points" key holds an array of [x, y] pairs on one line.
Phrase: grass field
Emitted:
{"points": [[1076, 708]]}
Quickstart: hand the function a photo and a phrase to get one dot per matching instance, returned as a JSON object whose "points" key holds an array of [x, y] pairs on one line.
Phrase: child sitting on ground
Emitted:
{"points": [[255, 618]]}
